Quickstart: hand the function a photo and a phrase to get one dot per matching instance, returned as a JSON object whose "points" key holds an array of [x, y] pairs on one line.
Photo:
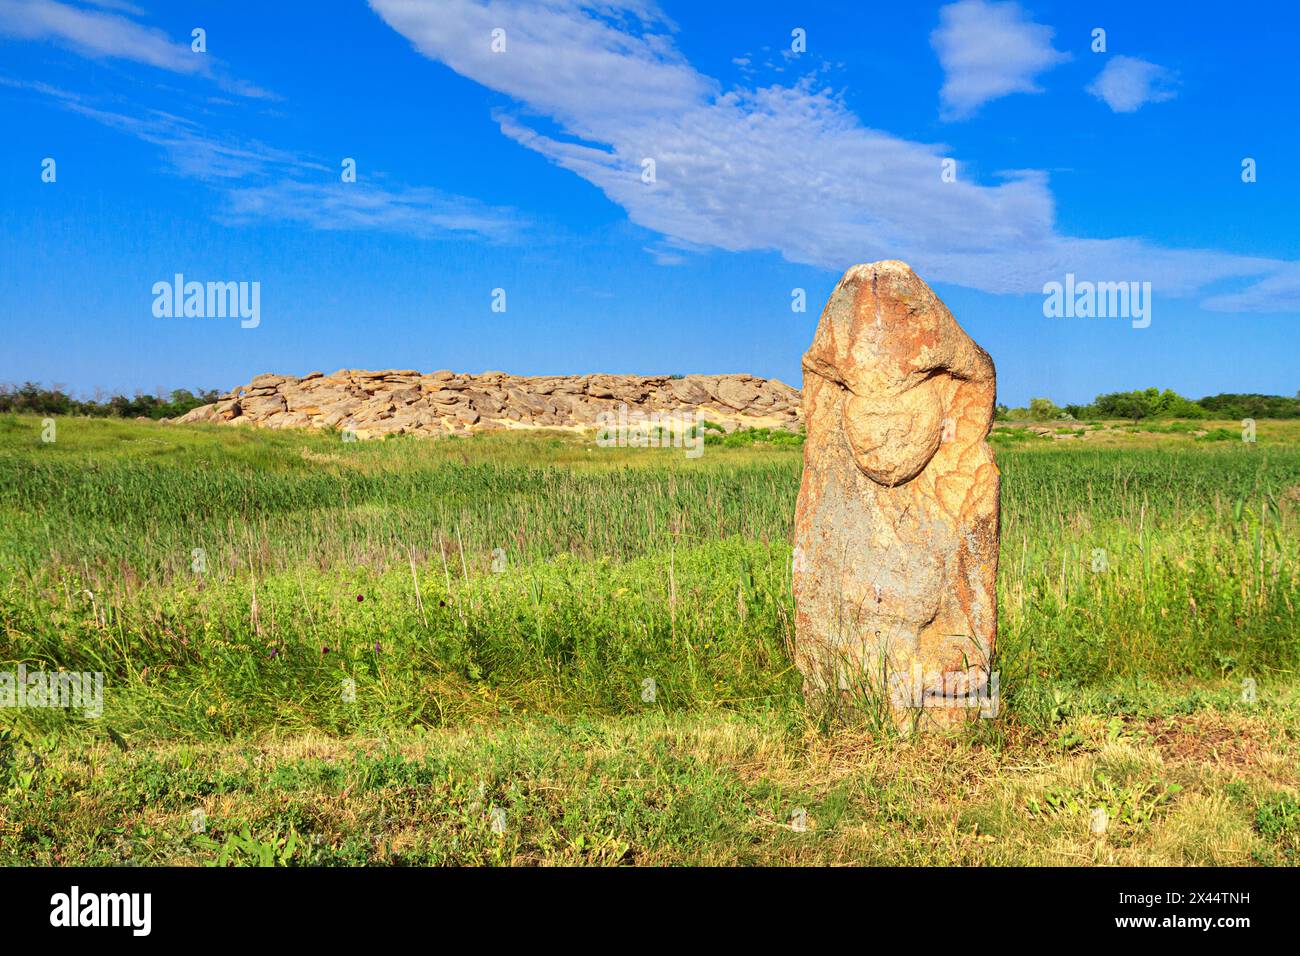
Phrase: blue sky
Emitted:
{"points": [[775, 169]]}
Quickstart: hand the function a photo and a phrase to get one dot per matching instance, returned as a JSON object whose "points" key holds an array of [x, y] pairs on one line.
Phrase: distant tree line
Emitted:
{"points": [[1153, 403], [30, 398]]}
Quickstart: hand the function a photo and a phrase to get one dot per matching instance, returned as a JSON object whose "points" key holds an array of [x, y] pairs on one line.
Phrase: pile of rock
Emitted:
{"points": [[372, 404]]}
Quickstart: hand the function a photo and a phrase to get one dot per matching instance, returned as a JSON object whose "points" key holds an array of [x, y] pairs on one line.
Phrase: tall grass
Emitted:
{"points": [[325, 562], [135, 508]]}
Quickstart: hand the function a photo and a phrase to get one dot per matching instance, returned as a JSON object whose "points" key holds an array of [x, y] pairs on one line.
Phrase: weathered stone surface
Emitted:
{"points": [[735, 393], [261, 406], [896, 526], [404, 396], [266, 379]]}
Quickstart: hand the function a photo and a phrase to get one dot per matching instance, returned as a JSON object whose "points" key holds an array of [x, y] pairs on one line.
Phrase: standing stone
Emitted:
{"points": [[896, 527]]}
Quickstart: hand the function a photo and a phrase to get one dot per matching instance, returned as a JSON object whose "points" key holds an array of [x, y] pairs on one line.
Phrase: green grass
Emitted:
{"points": [[756, 436], [499, 605], [703, 788], [1011, 434]]}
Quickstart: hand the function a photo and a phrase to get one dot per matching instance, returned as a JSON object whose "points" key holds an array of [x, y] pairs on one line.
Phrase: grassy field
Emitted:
{"points": [[523, 649]]}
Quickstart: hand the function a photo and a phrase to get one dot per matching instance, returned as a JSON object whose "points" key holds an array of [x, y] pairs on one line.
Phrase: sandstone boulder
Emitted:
{"points": [[688, 390], [736, 393]]}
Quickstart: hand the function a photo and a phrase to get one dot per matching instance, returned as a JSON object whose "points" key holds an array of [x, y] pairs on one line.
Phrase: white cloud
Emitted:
{"points": [[1127, 83], [987, 51], [95, 34], [617, 57], [785, 168]]}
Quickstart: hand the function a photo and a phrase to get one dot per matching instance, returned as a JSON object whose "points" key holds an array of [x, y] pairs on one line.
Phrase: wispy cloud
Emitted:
{"points": [[989, 50], [100, 35], [119, 5], [259, 182], [1283, 286], [190, 149], [1126, 83], [333, 206], [786, 168]]}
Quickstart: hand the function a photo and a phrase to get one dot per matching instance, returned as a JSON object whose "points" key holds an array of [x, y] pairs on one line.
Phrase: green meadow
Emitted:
{"points": [[519, 648]]}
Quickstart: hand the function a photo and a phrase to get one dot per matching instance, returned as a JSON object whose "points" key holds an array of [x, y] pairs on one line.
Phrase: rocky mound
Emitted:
{"points": [[372, 404]]}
